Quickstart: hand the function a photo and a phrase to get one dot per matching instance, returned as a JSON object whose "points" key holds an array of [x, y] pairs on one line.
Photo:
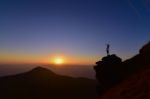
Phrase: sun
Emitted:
{"points": [[58, 60]]}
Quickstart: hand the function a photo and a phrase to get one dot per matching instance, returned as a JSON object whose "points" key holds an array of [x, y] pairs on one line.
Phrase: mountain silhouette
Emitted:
{"points": [[127, 79], [41, 83]]}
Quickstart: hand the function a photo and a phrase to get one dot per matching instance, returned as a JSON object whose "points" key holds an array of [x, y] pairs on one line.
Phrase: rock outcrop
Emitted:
{"points": [[107, 72], [111, 71]]}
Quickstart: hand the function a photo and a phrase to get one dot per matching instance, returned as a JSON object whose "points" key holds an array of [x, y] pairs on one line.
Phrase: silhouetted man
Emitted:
{"points": [[107, 49]]}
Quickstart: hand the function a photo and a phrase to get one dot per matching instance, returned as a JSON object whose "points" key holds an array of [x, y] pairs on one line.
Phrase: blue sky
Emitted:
{"points": [[75, 28]]}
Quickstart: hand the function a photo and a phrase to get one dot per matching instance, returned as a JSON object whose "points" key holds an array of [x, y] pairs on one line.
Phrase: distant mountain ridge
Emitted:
{"points": [[41, 83]]}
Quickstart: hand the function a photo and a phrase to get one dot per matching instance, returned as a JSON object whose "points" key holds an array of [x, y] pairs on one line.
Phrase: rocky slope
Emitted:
{"points": [[135, 87], [135, 78]]}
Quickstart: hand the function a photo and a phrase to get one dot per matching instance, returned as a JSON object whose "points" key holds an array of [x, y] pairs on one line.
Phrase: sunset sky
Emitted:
{"points": [[36, 31]]}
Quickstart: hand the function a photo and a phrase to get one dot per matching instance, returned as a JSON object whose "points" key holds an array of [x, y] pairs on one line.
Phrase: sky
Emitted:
{"points": [[35, 31]]}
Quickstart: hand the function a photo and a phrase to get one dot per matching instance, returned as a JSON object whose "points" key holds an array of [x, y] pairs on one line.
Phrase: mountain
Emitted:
{"points": [[134, 79], [135, 87], [41, 83]]}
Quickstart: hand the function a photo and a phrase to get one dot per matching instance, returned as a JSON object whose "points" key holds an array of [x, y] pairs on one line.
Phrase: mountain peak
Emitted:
{"points": [[41, 70], [42, 83]]}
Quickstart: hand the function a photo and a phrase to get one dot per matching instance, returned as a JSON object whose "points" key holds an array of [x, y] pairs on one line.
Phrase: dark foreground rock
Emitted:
{"points": [[112, 72]]}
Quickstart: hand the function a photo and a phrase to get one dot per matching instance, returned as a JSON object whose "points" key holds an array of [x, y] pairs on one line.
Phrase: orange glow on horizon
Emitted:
{"points": [[58, 60], [62, 59]]}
